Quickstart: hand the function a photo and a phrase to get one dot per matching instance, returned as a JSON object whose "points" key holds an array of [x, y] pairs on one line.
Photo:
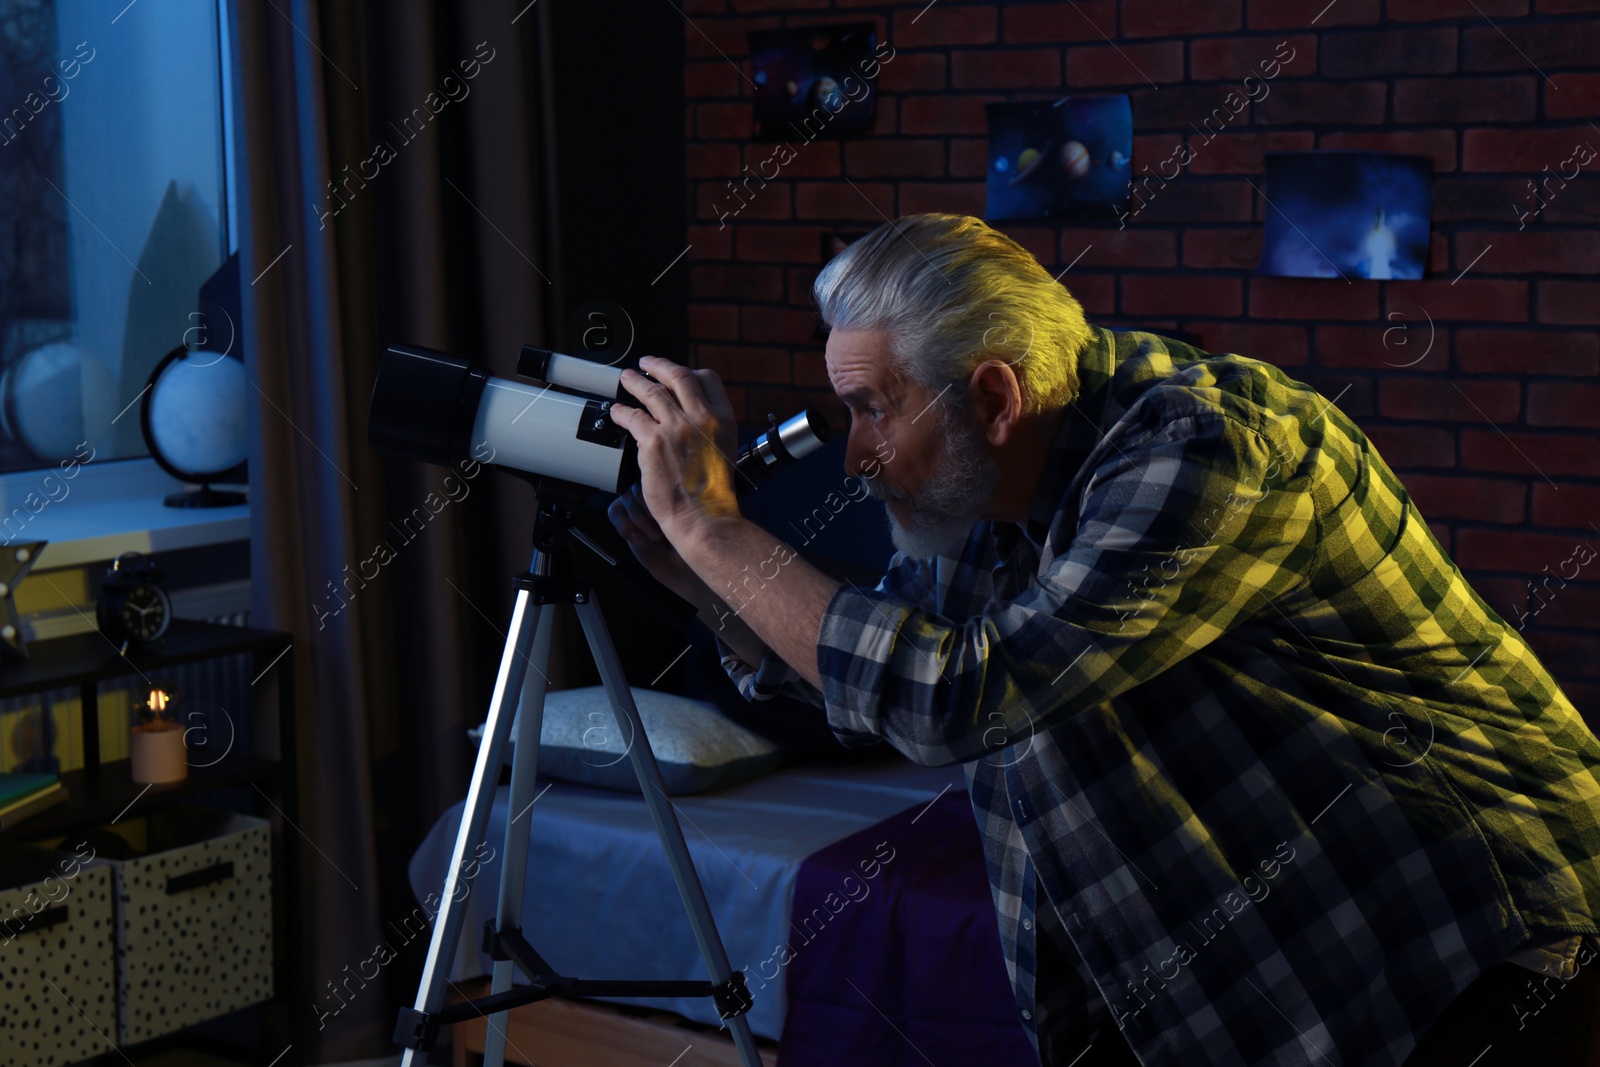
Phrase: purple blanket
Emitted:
{"points": [[894, 958]]}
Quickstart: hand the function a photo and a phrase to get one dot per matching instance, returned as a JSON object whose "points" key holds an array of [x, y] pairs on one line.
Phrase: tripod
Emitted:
{"points": [[548, 581]]}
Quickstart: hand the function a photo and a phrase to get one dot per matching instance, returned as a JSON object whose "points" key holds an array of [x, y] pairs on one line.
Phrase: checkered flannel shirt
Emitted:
{"points": [[1288, 782]]}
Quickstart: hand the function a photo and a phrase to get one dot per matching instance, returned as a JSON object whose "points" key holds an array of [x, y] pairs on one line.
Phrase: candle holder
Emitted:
{"points": [[156, 745]]}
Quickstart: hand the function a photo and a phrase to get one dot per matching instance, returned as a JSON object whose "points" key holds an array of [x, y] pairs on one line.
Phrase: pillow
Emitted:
{"points": [[697, 747]]}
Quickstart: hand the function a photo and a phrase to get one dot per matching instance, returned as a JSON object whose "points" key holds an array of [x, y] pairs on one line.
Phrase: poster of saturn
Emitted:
{"points": [[1059, 159]]}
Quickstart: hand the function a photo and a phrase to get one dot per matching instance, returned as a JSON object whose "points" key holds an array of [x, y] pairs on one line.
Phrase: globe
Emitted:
{"points": [[198, 413]]}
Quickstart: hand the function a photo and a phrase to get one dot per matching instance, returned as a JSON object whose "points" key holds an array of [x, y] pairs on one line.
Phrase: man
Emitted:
{"points": [[1260, 778]]}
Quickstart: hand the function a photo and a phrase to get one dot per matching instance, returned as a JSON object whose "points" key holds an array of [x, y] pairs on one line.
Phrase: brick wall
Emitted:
{"points": [[1495, 430]]}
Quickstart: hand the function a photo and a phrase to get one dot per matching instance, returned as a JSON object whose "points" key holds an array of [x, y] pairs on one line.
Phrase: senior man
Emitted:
{"points": [[1260, 778]]}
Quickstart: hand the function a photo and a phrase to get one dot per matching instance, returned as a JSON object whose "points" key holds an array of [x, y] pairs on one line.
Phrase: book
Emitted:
{"points": [[14, 786], [33, 804]]}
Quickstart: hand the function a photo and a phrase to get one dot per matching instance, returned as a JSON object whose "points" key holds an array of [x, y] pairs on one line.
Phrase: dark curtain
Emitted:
{"points": [[437, 241]]}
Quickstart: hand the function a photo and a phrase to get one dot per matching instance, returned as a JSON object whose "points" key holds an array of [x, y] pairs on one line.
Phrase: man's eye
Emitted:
{"points": [[874, 412]]}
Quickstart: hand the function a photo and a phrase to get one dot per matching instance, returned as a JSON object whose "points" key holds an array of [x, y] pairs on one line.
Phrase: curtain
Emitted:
{"points": [[391, 188]]}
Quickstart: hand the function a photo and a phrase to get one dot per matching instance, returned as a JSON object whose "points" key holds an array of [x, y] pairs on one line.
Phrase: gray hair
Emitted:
{"points": [[952, 292]]}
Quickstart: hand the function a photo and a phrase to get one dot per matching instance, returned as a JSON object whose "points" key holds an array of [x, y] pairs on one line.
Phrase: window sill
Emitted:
{"points": [[106, 509]]}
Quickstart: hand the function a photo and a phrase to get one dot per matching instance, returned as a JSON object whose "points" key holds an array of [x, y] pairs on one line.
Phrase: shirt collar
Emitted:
{"points": [[1078, 434]]}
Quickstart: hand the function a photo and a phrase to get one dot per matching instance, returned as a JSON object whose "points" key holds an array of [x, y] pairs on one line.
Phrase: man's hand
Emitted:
{"points": [[686, 435], [651, 548]]}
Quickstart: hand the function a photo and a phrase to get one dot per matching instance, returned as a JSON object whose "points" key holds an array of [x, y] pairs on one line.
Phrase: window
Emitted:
{"points": [[113, 213]]}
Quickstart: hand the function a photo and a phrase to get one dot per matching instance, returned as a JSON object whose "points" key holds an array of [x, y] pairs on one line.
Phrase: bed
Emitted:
{"points": [[853, 897]]}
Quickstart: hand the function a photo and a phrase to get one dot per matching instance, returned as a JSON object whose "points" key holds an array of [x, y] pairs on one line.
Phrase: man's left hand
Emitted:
{"points": [[687, 435]]}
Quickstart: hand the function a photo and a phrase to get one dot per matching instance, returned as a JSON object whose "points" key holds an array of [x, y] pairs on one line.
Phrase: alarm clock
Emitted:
{"points": [[134, 611]]}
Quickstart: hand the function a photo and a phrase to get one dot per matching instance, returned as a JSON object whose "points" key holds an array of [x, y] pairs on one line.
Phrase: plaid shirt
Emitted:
{"points": [[1288, 782]]}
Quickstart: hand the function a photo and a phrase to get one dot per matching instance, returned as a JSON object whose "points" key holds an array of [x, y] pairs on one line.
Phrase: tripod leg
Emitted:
{"points": [[514, 859], [475, 812], [664, 817]]}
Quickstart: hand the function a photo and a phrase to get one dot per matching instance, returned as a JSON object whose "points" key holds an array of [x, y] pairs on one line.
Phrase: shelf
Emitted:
{"points": [[89, 658], [100, 795]]}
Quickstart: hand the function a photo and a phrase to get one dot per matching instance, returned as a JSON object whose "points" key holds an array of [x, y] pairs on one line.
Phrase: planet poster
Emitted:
{"points": [[1332, 214], [1065, 158], [816, 82]]}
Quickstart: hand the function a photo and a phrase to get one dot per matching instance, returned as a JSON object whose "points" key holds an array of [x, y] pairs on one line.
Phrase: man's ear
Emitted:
{"points": [[998, 398]]}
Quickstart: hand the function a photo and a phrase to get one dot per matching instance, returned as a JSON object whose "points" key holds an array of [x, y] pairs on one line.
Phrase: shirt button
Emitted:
{"points": [[1027, 924], [1026, 1014]]}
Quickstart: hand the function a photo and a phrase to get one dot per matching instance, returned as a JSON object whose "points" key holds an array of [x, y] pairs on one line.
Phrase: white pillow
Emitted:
{"points": [[697, 747]]}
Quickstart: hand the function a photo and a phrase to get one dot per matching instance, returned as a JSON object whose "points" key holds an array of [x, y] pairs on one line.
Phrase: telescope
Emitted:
{"points": [[432, 406]]}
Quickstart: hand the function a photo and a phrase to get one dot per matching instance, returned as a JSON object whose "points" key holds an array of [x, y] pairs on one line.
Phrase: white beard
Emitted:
{"points": [[951, 502]]}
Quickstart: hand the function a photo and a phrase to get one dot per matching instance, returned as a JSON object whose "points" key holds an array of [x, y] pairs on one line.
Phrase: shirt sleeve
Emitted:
{"points": [[909, 580], [1190, 526]]}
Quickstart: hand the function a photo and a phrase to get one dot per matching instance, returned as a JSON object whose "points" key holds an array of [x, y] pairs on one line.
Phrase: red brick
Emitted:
{"points": [[1521, 150], [1234, 249], [1282, 346], [714, 322], [1439, 144], [1509, 550], [725, 201], [1085, 20], [1011, 68], [1576, 303], [1364, 54], [911, 71], [1376, 348], [1567, 7], [1458, 199], [1546, 45], [781, 5], [1528, 352], [1299, 14], [1579, 202], [1469, 299], [1564, 404], [1312, 298], [722, 120], [1163, 18], [1200, 200], [1438, 253], [1118, 248], [944, 24], [945, 115], [741, 364], [1464, 100], [1444, 496], [1235, 58], [1181, 294], [1572, 505], [1243, 153], [814, 159], [1573, 96], [969, 157], [719, 38], [1565, 653], [798, 287], [883, 118], [1341, 103], [898, 158], [1529, 453], [735, 281], [842, 200], [810, 369], [1209, 108], [711, 160], [961, 198], [1096, 292], [1413, 446], [1091, 65], [778, 325], [1447, 401], [779, 244], [1544, 252], [1428, 10], [715, 77], [710, 242], [1039, 241]]}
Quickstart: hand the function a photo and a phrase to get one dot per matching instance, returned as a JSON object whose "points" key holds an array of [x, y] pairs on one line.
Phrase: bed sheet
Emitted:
{"points": [[599, 900]]}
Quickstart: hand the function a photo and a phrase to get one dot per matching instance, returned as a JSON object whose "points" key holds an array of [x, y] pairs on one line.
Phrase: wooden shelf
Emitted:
{"points": [[89, 658], [100, 795]]}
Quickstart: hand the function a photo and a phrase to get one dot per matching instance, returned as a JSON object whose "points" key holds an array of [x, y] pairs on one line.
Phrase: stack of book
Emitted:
{"points": [[26, 795]]}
